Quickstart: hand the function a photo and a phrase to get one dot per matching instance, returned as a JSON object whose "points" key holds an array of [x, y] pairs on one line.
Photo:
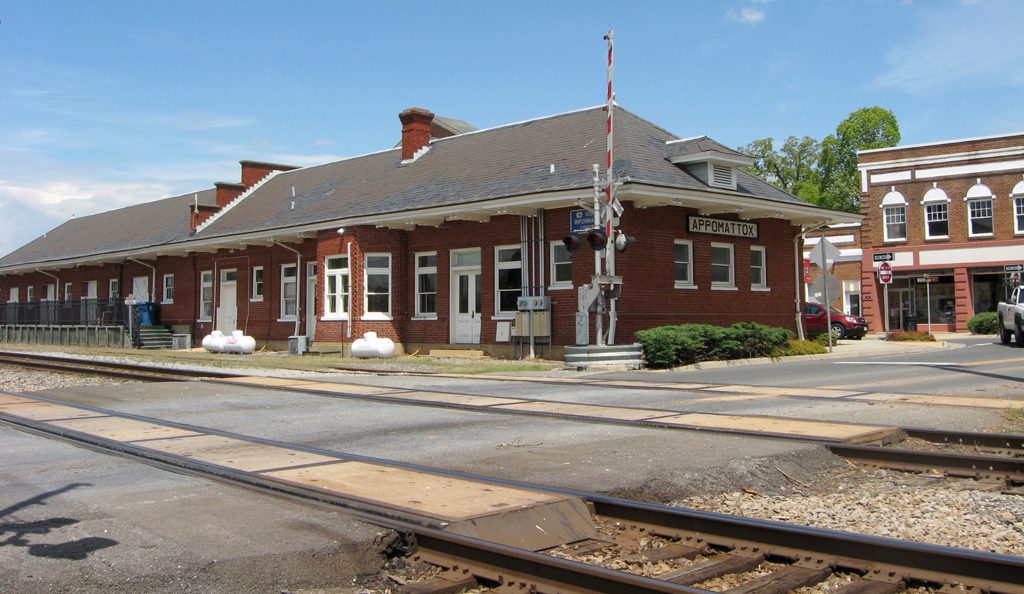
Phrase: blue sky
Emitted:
{"points": [[106, 104]]}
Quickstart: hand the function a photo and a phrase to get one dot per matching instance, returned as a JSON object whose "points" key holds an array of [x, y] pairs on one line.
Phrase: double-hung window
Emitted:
{"points": [[289, 291], [980, 215], [114, 288], [683, 261], [758, 269], [206, 295], [30, 294], [336, 287], [168, 288], [1018, 218], [377, 287], [936, 213], [256, 290], [426, 285], [508, 270], [67, 291], [561, 266], [894, 216], [722, 270]]}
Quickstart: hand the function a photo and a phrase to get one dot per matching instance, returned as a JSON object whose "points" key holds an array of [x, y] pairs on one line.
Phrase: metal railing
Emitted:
{"points": [[82, 312]]}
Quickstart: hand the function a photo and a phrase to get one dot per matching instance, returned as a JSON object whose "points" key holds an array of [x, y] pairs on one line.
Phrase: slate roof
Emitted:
{"points": [[701, 144], [506, 161], [144, 225]]}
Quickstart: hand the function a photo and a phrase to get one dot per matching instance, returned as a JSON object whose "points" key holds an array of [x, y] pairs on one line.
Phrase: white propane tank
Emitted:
{"points": [[216, 342], [371, 346]]}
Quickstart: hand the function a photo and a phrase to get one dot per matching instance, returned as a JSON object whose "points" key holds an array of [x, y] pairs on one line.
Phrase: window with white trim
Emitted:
{"points": [[895, 223], [758, 268], [936, 216], [12, 295], [508, 282], [1018, 208], [67, 291], [561, 266], [51, 292], [377, 287], [682, 257], [722, 273], [168, 289], [256, 290], [30, 293], [289, 291], [979, 213], [426, 284], [114, 288], [206, 295], [336, 287]]}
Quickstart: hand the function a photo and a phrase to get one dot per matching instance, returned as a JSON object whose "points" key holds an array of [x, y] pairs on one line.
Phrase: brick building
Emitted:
{"points": [[432, 242], [951, 210]]}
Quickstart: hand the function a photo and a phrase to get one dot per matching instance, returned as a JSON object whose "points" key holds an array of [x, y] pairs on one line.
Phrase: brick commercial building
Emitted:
{"points": [[432, 242], [948, 211]]}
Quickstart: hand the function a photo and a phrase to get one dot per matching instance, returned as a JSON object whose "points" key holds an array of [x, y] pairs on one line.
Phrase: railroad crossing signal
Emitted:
{"points": [[884, 273]]}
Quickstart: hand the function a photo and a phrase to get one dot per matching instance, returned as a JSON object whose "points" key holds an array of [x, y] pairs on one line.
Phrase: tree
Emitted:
{"points": [[867, 128], [792, 168]]}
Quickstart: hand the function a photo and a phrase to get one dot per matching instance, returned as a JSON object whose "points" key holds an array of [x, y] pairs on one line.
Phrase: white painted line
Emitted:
{"points": [[925, 363]]}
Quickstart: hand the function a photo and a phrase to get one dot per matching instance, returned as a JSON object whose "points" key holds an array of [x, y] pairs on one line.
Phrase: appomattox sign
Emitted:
{"points": [[719, 227]]}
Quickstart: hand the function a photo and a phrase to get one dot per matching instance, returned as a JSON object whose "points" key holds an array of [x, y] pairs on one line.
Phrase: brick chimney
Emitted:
{"points": [[254, 171], [415, 130], [228, 191]]}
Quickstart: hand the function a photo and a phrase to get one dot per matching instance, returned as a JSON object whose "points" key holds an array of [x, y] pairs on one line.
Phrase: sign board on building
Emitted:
{"points": [[697, 224], [927, 279], [884, 273], [1013, 268], [580, 220], [884, 257]]}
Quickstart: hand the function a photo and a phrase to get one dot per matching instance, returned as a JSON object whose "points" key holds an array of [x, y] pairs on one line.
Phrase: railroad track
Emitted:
{"points": [[987, 457], [696, 547]]}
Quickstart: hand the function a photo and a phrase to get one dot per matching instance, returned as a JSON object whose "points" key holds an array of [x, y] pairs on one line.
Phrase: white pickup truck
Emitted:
{"points": [[1011, 318]]}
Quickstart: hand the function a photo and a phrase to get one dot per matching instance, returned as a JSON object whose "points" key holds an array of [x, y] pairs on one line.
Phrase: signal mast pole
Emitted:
{"points": [[610, 187]]}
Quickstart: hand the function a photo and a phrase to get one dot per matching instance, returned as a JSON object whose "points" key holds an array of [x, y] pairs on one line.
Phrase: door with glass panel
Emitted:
{"points": [[466, 296], [227, 311]]}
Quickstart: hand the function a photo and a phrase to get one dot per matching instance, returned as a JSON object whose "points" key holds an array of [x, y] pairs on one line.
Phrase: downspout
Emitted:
{"points": [[298, 284], [348, 326], [152, 285]]}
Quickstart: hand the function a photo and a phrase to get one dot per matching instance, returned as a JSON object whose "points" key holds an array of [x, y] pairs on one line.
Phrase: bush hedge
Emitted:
{"points": [[987, 322], [667, 346], [899, 336], [803, 347]]}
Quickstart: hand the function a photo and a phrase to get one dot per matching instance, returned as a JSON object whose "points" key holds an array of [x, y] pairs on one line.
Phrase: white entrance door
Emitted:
{"points": [[466, 305], [227, 311], [311, 293], [140, 288], [90, 309]]}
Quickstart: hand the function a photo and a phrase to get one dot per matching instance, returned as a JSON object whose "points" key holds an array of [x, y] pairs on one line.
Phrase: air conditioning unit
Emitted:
{"points": [[296, 345], [181, 342], [541, 324]]}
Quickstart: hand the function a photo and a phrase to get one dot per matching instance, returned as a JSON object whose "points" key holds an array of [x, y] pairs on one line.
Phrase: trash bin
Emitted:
{"points": [[146, 313]]}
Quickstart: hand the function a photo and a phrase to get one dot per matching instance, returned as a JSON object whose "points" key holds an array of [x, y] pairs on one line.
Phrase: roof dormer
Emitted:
{"points": [[709, 161]]}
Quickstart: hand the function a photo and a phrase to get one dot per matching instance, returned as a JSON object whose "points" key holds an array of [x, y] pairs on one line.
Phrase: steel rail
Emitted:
{"points": [[875, 555], [99, 367], [996, 441]]}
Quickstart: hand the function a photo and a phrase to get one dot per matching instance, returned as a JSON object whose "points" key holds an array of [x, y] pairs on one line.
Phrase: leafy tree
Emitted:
{"points": [[866, 128], [792, 168]]}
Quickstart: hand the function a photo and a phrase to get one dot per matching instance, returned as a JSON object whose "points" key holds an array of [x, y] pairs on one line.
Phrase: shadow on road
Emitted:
{"points": [[17, 533]]}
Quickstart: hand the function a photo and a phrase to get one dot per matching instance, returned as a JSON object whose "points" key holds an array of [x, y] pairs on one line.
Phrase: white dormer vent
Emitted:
{"points": [[722, 176]]}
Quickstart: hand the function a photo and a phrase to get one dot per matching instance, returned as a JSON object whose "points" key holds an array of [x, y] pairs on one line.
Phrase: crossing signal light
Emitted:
{"points": [[572, 242], [597, 239], [623, 241]]}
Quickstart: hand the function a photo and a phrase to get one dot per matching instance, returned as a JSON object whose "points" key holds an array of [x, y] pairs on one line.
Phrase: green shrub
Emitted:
{"points": [[796, 347], [900, 336], [823, 338], [666, 346], [987, 322]]}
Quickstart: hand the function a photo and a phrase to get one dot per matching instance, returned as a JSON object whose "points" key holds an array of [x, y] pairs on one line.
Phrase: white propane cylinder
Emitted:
{"points": [[371, 346], [216, 342], [212, 342]]}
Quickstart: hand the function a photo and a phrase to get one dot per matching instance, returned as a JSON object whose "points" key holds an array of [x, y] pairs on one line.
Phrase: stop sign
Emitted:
{"points": [[885, 273]]}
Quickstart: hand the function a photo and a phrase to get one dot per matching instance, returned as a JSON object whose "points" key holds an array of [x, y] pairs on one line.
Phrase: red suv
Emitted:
{"points": [[843, 326]]}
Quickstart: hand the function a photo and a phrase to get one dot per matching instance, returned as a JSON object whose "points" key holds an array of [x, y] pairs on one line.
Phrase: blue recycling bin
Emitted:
{"points": [[145, 313]]}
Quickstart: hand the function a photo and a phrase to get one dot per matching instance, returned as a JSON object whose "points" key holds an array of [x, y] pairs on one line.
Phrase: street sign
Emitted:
{"points": [[927, 279], [1015, 278], [884, 257], [823, 252], [580, 220], [885, 273], [829, 281], [1013, 268]]}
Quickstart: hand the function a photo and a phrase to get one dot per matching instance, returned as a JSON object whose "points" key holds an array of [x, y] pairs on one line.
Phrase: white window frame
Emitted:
{"points": [[498, 267], [51, 292], [893, 209], [425, 270], [257, 283], [205, 282], [12, 295], [685, 283], [166, 299], [928, 219], [367, 271], [763, 285], [729, 285], [283, 301], [68, 291], [30, 293], [970, 218], [343, 281], [114, 288], [556, 285], [1018, 215]]}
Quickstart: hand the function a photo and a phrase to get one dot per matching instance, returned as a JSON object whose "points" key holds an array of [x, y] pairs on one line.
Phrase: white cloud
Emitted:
{"points": [[961, 49], [747, 15]]}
